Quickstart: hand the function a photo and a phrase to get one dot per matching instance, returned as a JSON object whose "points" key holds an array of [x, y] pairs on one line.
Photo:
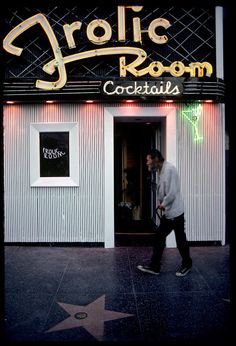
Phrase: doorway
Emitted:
{"points": [[134, 186], [167, 115]]}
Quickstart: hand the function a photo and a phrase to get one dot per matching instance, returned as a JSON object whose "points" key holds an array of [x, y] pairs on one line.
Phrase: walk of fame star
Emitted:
{"points": [[91, 317]]}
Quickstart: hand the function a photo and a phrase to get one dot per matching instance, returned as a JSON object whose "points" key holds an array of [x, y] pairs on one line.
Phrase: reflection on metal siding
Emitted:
{"points": [[53, 214], [202, 170]]}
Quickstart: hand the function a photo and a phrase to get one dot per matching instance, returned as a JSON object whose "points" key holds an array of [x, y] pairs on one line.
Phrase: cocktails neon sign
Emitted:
{"points": [[155, 68]]}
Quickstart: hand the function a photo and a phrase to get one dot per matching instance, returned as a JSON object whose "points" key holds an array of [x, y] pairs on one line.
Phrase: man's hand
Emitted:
{"points": [[161, 207]]}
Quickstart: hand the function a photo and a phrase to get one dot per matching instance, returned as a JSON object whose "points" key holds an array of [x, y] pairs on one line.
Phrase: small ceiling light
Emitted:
{"points": [[49, 101], [129, 101], [10, 102], [89, 101], [208, 101], [169, 101]]}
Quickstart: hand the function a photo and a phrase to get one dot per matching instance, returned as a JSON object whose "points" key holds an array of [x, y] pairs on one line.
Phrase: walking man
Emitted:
{"points": [[171, 205]]}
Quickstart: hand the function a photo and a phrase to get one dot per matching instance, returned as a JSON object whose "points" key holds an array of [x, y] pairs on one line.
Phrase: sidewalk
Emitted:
{"points": [[96, 294]]}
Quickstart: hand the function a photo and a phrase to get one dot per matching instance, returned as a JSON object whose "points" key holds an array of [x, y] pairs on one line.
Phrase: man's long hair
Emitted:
{"points": [[156, 153]]}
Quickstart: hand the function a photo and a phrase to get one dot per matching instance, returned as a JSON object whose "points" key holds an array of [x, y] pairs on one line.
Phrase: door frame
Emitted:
{"points": [[130, 111]]}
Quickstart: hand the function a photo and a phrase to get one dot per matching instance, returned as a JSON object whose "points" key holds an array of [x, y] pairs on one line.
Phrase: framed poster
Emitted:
{"points": [[53, 154], [54, 151]]}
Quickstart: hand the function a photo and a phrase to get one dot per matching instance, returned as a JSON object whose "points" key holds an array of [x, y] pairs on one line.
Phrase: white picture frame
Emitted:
{"points": [[35, 179]]}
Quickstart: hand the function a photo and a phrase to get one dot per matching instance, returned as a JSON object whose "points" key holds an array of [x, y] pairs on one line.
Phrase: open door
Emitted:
{"points": [[156, 142], [134, 186]]}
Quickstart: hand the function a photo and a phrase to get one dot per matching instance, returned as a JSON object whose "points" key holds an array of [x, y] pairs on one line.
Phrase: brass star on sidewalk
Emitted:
{"points": [[91, 317]]}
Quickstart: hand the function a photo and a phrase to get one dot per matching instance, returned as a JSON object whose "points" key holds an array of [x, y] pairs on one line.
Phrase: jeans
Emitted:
{"points": [[165, 228]]}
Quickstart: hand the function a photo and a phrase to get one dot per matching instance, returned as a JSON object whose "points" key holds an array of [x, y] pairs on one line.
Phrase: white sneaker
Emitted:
{"points": [[148, 269]]}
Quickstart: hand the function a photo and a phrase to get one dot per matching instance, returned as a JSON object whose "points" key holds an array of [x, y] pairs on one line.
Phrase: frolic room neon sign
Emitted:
{"points": [[154, 69]]}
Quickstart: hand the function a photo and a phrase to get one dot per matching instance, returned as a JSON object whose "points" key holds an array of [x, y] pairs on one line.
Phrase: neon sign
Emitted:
{"points": [[192, 114], [154, 69], [141, 88]]}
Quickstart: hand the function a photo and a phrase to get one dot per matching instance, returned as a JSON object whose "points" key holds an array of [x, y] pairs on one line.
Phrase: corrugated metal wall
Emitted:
{"points": [[202, 168], [53, 214], [76, 214]]}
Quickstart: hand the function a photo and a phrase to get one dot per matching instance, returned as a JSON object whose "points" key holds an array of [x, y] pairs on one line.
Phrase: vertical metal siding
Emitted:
{"points": [[202, 170], [53, 214], [71, 214]]}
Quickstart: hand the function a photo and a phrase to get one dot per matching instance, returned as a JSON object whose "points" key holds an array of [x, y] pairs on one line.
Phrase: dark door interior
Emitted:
{"points": [[132, 183]]}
